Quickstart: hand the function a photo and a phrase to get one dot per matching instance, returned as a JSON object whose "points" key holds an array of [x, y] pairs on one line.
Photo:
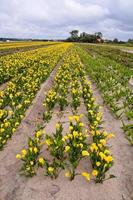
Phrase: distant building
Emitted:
{"points": [[100, 40]]}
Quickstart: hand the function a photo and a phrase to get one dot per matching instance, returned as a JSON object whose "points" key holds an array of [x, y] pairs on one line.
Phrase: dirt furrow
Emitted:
{"points": [[122, 153], [15, 187], [9, 177], [3, 86], [41, 187]]}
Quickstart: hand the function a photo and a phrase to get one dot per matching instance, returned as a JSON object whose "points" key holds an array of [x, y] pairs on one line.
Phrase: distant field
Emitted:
{"points": [[12, 47], [4, 45], [122, 55], [125, 46], [120, 46]]}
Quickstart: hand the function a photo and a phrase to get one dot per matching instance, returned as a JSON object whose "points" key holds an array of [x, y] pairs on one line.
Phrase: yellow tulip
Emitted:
{"points": [[48, 142], [85, 153], [98, 164], [67, 174], [67, 148], [35, 149], [108, 159], [94, 172], [57, 126], [50, 169], [86, 175], [24, 152], [18, 156], [41, 160]]}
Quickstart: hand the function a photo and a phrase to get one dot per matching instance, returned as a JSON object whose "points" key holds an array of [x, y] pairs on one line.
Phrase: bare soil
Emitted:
{"points": [[3, 86], [15, 187], [128, 51]]}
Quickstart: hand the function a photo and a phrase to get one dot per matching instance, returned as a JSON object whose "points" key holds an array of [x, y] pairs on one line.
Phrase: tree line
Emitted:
{"points": [[93, 38], [84, 37]]}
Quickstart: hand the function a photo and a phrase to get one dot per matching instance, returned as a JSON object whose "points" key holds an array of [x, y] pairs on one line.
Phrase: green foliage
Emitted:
{"points": [[112, 80]]}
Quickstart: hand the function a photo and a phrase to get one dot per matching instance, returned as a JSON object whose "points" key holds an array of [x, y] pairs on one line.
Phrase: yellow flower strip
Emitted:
{"points": [[20, 92]]}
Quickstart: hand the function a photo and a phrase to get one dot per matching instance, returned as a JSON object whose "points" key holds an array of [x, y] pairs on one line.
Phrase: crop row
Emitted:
{"points": [[14, 45], [20, 92], [18, 63], [67, 149], [112, 80], [124, 58]]}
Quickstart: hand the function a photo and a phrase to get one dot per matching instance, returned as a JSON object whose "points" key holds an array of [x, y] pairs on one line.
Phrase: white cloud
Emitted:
{"points": [[54, 19]]}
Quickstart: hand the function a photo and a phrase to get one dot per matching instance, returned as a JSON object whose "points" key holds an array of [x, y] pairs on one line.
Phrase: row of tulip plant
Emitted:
{"points": [[117, 54], [20, 92], [15, 45], [112, 79], [67, 149], [18, 63], [66, 83]]}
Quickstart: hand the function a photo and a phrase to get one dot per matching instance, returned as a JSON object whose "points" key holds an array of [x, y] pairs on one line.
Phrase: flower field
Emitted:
{"points": [[7, 48], [4, 46], [57, 140], [112, 73], [67, 150], [23, 86]]}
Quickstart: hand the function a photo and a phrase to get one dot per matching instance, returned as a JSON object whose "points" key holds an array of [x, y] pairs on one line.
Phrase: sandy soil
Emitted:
{"points": [[122, 153], [15, 187], [9, 166], [3, 86], [128, 51]]}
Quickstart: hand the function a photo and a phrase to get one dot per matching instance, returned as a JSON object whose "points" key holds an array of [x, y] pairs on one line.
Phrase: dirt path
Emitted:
{"points": [[126, 50], [122, 186], [3, 86], [15, 187], [10, 181]]}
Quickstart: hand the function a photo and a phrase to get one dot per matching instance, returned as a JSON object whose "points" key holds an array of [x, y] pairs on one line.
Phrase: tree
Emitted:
{"points": [[98, 35], [130, 40], [84, 37], [74, 35], [115, 40]]}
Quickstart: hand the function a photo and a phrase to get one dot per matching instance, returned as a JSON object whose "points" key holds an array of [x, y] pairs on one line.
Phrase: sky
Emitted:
{"points": [[54, 19]]}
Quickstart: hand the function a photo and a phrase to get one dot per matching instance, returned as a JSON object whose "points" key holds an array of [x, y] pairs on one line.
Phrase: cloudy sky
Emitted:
{"points": [[56, 18]]}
